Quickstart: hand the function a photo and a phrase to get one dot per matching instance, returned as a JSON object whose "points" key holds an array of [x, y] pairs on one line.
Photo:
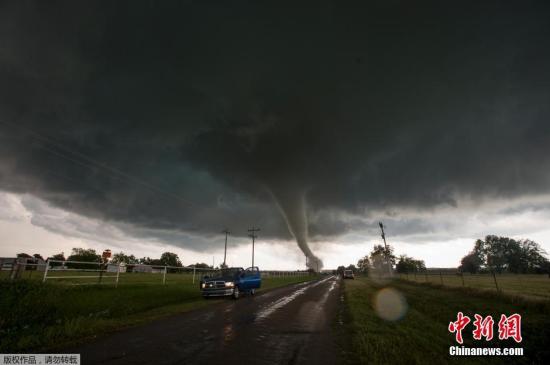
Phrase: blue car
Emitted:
{"points": [[233, 282]]}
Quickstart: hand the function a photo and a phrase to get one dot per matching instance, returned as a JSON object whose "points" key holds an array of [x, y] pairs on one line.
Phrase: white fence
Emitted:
{"points": [[61, 270], [86, 273], [283, 273]]}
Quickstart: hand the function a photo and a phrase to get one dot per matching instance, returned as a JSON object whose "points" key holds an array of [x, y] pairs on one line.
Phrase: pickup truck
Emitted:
{"points": [[231, 282], [348, 274]]}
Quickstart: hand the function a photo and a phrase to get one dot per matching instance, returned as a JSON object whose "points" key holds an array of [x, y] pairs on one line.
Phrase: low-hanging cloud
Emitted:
{"points": [[192, 119]]}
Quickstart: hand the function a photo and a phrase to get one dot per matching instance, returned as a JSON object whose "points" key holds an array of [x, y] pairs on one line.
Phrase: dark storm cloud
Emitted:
{"points": [[194, 116]]}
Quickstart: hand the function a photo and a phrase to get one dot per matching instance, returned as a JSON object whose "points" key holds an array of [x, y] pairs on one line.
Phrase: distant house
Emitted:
{"points": [[142, 268], [28, 263], [6, 263], [115, 267], [41, 264]]}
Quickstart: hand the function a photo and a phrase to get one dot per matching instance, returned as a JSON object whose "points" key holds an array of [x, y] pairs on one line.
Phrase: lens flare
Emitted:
{"points": [[390, 304]]}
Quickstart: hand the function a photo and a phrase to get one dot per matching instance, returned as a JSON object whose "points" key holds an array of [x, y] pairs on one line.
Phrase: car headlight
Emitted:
{"points": [[203, 285], [229, 284]]}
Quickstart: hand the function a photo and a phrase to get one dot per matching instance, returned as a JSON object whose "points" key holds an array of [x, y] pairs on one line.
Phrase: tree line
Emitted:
{"points": [[382, 259], [90, 255], [503, 254], [494, 254]]}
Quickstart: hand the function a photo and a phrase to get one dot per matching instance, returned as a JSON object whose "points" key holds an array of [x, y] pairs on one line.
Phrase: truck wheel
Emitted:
{"points": [[252, 291], [236, 293]]}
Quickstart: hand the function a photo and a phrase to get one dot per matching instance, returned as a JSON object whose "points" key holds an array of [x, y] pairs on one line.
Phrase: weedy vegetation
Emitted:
{"points": [[527, 285], [36, 316], [421, 336]]}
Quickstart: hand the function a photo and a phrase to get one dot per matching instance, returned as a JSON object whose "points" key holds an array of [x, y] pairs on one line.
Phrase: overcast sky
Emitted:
{"points": [[147, 127]]}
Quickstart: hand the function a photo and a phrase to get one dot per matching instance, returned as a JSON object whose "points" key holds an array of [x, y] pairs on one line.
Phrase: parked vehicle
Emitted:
{"points": [[348, 274], [233, 282]]}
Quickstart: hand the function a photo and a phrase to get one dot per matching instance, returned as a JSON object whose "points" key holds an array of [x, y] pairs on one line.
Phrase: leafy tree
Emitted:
{"points": [[470, 263], [38, 256], [363, 265], [121, 257], [382, 257], [83, 255], [533, 257], [340, 270], [497, 252], [170, 259], [352, 268], [24, 255], [149, 261], [404, 265], [501, 254], [407, 264], [57, 257], [473, 262]]}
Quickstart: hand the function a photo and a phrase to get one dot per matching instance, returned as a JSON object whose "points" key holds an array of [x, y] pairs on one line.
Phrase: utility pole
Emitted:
{"points": [[226, 231], [254, 236], [385, 247]]}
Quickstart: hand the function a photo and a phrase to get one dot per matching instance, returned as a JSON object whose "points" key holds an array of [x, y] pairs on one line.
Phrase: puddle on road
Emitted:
{"points": [[341, 310], [228, 333], [311, 317], [278, 304]]}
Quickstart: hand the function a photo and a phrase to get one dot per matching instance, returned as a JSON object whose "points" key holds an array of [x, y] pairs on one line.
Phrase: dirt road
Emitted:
{"points": [[290, 325]]}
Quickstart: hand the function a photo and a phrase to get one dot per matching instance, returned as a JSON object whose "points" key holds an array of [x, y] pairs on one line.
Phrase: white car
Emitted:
{"points": [[348, 274]]}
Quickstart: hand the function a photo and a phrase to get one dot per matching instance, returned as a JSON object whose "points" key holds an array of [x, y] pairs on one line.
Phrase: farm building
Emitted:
{"points": [[6, 263], [142, 268], [115, 267]]}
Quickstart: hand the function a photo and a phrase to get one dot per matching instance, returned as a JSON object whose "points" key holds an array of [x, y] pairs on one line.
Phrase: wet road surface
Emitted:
{"points": [[290, 325]]}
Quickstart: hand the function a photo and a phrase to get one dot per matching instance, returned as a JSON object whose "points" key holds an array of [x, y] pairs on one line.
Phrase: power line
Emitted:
{"points": [[385, 246], [253, 235]]}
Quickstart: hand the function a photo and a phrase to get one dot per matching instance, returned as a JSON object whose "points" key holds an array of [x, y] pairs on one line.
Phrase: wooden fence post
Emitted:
{"points": [[495, 279], [46, 271], [117, 275]]}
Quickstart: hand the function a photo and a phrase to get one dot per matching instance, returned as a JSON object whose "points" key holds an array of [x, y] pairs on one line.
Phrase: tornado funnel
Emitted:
{"points": [[292, 204]]}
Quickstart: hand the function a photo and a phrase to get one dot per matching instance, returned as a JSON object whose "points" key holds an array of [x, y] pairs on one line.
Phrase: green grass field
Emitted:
{"points": [[530, 286], [36, 316], [421, 336], [92, 277]]}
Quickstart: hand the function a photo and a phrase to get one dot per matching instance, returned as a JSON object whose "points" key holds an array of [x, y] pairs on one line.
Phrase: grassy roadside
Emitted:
{"points": [[421, 335], [36, 316], [527, 285]]}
